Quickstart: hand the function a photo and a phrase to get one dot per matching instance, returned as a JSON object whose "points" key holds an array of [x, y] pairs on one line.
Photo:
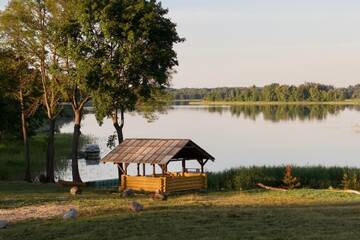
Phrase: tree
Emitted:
{"points": [[20, 85], [137, 55], [137, 58], [26, 29], [79, 65]]}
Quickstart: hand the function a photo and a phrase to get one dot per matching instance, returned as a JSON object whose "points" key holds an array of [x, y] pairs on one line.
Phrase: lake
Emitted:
{"points": [[240, 135]]}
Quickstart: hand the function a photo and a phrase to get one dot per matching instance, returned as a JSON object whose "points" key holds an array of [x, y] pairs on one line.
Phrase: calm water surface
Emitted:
{"points": [[241, 135]]}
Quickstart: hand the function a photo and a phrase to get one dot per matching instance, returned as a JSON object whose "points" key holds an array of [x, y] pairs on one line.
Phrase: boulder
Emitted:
{"points": [[128, 193], [75, 190], [71, 214], [3, 224], [136, 207]]}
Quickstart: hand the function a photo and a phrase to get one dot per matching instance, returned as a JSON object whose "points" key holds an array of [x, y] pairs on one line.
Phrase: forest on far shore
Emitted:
{"points": [[275, 92]]}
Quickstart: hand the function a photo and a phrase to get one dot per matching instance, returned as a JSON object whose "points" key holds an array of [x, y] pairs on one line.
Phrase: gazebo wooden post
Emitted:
{"points": [[154, 174], [143, 168], [202, 164], [183, 167], [138, 169], [120, 170], [126, 167], [163, 168]]}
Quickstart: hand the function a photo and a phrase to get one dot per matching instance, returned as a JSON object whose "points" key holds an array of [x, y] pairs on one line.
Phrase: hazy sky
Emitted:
{"points": [[243, 42]]}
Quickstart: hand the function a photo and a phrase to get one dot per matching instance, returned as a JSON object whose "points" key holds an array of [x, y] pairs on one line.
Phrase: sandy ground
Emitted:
{"points": [[34, 212]]}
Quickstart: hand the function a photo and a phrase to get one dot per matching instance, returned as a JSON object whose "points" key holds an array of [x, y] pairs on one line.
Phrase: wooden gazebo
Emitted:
{"points": [[160, 152]]}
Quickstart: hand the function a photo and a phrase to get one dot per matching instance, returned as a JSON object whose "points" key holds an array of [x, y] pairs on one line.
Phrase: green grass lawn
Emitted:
{"points": [[256, 214]]}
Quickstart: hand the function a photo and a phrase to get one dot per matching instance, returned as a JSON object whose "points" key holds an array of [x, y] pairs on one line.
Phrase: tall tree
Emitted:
{"points": [[21, 85], [137, 56], [114, 51], [78, 65], [26, 27]]}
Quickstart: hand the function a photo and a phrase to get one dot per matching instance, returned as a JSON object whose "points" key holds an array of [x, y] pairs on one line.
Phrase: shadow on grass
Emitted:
{"points": [[332, 221]]}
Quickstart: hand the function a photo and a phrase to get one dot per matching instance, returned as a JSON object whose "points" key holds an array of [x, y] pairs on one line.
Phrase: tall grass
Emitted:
{"points": [[309, 177], [12, 164]]}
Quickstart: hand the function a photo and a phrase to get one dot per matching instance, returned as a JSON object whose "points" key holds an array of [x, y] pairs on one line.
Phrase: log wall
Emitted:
{"points": [[189, 181]]}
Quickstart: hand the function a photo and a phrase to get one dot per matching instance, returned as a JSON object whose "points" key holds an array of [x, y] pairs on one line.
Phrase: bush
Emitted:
{"points": [[317, 177]]}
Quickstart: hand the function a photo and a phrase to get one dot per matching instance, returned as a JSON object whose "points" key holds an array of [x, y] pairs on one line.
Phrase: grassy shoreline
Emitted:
{"points": [[256, 214]]}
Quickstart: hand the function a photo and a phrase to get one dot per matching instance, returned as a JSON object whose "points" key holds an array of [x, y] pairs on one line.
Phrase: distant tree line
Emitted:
{"points": [[313, 92]]}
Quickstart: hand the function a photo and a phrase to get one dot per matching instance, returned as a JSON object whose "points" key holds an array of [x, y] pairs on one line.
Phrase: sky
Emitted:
{"points": [[258, 42]]}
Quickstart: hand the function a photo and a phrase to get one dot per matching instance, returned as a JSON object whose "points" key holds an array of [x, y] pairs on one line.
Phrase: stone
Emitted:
{"points": [[3, 224], [136, 207], [128, 193], [75, 190], [159, 196], [71, 214]]}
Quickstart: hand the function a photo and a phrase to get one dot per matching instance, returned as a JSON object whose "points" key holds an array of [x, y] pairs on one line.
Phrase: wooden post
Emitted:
{"points": [[126, 167], [138, 169], [201, 162], [154, 170], [120, 171], [183, 167], [143, 169], [163, 168]]}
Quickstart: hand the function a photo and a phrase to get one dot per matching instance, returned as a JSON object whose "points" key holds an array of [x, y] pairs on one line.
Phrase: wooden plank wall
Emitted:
{"points": [[183, 183], [139, 183], [165, 184]]}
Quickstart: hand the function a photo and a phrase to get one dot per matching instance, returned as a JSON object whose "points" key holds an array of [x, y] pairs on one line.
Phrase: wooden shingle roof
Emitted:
{"points": [[155, 151]]}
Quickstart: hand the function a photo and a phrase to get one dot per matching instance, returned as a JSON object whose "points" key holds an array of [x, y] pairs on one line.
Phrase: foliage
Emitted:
{"points": [[311, 92], [246, 177], [289, 180], [11, 156], [136, 54], [351, 180]]}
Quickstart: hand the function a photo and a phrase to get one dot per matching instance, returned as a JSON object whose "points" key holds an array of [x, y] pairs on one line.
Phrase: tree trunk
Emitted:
{"points": [[75, 147], [50, 162], [24, 128], [119, 127], [119, 130]]}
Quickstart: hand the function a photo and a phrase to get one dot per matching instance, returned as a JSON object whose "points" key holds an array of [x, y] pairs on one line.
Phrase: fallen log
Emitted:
{"points": [[345, 191], [270, 188]]}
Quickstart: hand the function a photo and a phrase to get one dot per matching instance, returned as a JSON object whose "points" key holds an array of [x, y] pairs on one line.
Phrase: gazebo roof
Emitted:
{"points": [[155, 151]]}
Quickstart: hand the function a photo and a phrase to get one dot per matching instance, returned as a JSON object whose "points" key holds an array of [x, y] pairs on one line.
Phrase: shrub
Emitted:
{"points": [[318, 177]]}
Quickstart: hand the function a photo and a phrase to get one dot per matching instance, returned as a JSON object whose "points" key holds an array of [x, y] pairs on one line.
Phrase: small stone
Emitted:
{"points": [[136, 207], [75, 190], [159, 196], [3, 224], [128, 193], [71, 214]]}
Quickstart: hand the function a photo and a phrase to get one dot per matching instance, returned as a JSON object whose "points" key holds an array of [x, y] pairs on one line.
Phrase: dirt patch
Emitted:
{"points": [[34, 212]]}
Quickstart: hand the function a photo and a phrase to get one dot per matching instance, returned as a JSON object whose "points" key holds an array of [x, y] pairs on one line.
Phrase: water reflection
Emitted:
{"points": [[277, 113], [240, 135]]}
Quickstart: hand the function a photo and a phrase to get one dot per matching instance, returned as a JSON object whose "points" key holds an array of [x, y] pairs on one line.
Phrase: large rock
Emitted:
{"points": [[71, 214], [136, 207], [75, 190], [3, 224], [128, 193]]}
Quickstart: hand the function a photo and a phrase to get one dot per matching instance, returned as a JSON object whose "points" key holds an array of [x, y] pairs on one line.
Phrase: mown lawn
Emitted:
{"points": [[257, 214]]}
